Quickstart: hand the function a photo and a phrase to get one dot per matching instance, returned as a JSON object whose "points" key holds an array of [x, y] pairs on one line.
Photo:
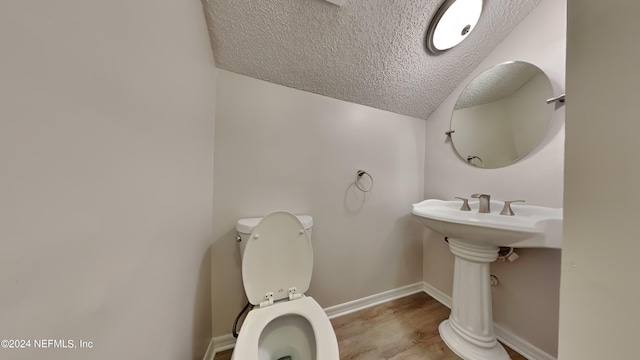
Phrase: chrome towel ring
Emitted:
{"points": [[359, 175]]}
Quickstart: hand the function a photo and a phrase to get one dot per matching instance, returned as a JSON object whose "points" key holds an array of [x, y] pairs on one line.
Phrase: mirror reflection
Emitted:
{"points": [[502, 115]]}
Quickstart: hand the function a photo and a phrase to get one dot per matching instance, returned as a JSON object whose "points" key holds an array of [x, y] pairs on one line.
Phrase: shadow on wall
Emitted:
{"points": [[437, 270], [354, 199], [412, 246], [538, 269], [408, 248], [202, 308], [227, 290]]}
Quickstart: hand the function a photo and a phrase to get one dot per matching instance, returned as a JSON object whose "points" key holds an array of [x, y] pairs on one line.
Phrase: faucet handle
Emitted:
{"points": [[465, 204], [506, 210]]}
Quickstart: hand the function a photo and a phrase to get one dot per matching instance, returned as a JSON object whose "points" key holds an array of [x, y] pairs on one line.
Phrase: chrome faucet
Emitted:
{"points": [[485, 202]]}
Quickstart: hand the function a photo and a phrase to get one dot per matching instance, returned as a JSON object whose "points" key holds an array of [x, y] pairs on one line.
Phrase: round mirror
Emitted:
{"points": [[502, 115]]}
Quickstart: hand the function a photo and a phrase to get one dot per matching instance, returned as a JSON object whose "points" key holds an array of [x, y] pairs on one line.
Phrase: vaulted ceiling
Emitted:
{"points": [[369, 52]]}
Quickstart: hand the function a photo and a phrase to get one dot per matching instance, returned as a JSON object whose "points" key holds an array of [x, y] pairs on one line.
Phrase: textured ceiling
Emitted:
{"points": [[370, 52], [496, 83]]}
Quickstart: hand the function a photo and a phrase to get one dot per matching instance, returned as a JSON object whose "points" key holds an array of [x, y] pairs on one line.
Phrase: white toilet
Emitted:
{"points": [[277, 262]]}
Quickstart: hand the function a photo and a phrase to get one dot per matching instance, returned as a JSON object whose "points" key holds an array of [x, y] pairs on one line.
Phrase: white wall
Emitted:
{"points": [[277, 148], [600, 292], [106, 156], [526, 301], [485, 131], [526, 112]]}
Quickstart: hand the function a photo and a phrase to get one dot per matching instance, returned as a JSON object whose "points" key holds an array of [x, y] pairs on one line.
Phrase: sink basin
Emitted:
{"points": [[531, 226], [475, 239]]}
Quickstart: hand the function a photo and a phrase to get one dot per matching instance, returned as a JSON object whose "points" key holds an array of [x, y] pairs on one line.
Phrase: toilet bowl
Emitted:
{"points": [[277, 263]]}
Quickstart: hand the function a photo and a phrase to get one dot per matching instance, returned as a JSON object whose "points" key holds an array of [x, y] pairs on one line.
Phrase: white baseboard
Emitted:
{"points": [[373, 300], [218, 344], [520, 345], [227, 342], [211, 353], [526, 349], [442, 298], [503, 334]]}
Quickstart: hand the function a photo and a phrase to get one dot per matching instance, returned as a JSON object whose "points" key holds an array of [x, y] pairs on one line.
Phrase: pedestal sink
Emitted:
{"points": [[475, 240]]}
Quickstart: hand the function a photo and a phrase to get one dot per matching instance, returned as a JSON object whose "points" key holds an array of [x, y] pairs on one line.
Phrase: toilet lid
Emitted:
{"points": [[278, 256]]}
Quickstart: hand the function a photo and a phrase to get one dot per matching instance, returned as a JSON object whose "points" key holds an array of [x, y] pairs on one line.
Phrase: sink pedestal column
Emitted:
{"points": [[469, 329]]}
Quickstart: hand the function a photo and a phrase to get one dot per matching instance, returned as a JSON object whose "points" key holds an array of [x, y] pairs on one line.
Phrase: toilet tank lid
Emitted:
{"points": [[245, 226]]}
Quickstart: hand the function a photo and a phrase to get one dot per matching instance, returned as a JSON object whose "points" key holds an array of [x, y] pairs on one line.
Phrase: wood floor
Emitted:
{"points": [[403, 329]]}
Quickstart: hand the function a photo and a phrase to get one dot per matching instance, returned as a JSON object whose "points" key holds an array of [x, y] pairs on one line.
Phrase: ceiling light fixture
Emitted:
{"points": [[452, 23]]}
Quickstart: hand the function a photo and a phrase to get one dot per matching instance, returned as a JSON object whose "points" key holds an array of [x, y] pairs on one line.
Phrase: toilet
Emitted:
{"points": [[277, 262]]}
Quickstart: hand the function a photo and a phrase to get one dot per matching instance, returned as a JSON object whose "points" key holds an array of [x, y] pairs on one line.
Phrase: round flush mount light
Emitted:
{"points": [[451, 24]]}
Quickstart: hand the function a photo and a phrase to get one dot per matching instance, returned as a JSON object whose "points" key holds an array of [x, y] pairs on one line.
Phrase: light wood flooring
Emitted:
{"points": [[402, 329]]}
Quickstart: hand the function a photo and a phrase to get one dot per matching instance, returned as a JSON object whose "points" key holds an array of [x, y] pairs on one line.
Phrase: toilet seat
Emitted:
{"points": [[278, 259], [307, 307], [276, 271]]}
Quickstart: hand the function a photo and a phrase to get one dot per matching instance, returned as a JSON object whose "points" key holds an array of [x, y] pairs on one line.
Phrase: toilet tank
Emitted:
{"points": [[244, 227]]}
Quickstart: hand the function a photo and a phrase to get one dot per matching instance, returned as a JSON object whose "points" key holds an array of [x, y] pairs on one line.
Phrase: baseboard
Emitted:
{"points": [[442, 298], [373, 300], [503, 334], [220, 343], [227, 342], [506, 336], [211, 352], [520, 345]]}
